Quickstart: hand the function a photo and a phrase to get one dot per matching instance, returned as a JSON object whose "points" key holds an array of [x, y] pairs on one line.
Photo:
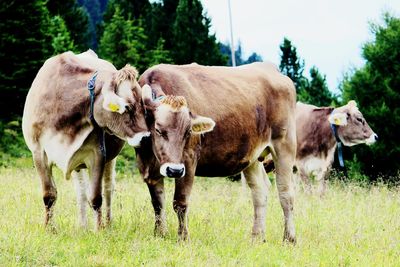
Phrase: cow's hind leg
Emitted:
{"points": [[284, 161], [183, 188], [258, 182], [80, 181], [48, 185], [109, 183], [156, 189]]}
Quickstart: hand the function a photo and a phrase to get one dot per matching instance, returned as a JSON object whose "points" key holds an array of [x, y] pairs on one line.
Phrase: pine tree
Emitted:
{"points": [[226, 52], [25, 44], [76, 19], [61, 37], [291, 65], [376, 89], [191, 39], [93, 9], [119, 44], [159, 54], [316, 91], [163, 17], [254, 57]]}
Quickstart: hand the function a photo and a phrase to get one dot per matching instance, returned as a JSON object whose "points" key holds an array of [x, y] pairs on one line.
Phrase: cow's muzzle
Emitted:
{"points": [[372, 139], [172, 170]]}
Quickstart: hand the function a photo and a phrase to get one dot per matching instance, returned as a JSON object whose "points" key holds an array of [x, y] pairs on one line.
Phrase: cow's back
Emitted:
{"points": [[57, 89], [250, 105]]}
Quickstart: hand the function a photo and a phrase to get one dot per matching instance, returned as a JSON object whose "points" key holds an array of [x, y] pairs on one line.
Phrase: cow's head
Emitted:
{"points": [[171, 130], [352, 128], [119, 108]]}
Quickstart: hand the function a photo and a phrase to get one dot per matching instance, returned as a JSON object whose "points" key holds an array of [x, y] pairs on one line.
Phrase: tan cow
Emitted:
{"points": [[316, 141], [249, 109], [59, 131]]}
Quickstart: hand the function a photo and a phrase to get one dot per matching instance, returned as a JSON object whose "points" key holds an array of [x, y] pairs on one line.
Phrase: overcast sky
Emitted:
{"points": [[327, 33]]}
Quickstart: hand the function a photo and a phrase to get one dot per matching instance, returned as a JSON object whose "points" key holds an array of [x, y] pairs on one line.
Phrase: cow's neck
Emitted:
{"points": [[321, 133]]}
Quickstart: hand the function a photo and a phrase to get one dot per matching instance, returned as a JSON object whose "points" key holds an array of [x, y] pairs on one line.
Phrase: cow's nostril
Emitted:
{"points": [[376, 137], [175, 172]]}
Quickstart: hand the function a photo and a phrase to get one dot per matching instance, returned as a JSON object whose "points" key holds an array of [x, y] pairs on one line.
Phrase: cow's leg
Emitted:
{"points": [[323, 181], [305, 179], [285, 150], [183, 188], [96, 175], [48, 186], [80, 181], [109, 183], [157, 194], [258, 182]]}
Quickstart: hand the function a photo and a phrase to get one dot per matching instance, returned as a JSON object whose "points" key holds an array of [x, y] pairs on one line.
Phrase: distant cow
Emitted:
{"points": [[249, 109], [62, 126], [319, 129]]}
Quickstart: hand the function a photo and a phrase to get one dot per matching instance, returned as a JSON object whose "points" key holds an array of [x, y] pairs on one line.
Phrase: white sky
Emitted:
{"points": [[327, 33]]}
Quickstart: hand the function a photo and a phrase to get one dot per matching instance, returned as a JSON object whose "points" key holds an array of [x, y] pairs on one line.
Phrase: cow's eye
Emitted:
{"points": [[162, 133], [360, 120]]}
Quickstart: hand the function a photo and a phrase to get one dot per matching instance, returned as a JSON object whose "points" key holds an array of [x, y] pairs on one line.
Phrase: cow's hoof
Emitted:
{"points": [[160, 231], [258, 237], [289, 239], [51, 228], [184, 237]]}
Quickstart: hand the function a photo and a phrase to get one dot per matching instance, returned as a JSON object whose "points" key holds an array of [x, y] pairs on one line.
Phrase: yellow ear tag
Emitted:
{"points": [[337, 121], [113, 107], [199, 127]]}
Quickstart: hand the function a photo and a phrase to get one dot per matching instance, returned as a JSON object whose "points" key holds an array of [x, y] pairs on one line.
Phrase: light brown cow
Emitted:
{"points": [[249, 109], [58, 130], [316, 141]]}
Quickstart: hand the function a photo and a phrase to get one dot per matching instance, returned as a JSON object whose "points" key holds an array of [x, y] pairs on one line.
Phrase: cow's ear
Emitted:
{"points": [[352, 103], [147, 98], [338, 118], [114, 103], [202, 124]]}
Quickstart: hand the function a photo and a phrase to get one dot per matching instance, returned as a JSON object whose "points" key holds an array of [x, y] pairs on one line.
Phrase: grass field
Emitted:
{"points": [[350, 226]]}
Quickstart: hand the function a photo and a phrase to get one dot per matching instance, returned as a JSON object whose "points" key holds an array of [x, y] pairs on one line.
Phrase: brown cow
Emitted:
{"points": [[316, 141], [252, 108], [58, 130]]}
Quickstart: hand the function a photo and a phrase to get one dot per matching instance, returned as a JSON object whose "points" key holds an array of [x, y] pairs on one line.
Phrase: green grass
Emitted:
{"points": [[350, 226]]}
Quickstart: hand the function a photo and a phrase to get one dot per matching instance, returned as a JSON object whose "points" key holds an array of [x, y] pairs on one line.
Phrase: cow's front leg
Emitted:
{"points": [[109, 183], [256, 178], [156, 189], [95, 198], [183, 187], [323, 181]]}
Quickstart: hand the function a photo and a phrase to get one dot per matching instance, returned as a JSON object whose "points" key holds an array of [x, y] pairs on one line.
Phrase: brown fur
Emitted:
{"points": [[252, 107], [315, 138], [58, 105], [127, 73]]}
